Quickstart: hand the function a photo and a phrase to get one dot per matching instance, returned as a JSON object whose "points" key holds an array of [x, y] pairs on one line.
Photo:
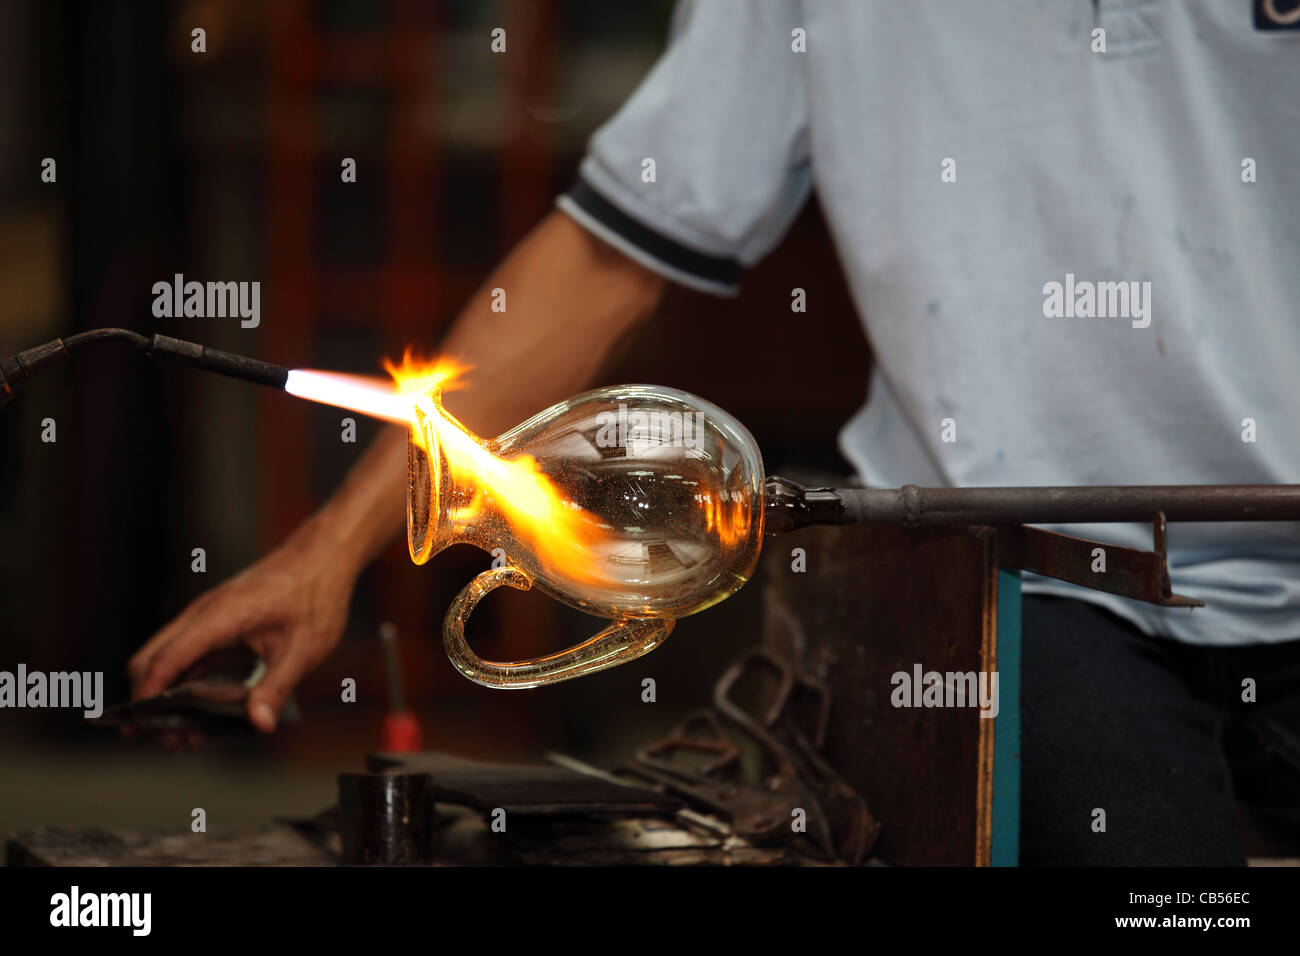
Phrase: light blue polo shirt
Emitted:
{"points": [[1073, 267]]}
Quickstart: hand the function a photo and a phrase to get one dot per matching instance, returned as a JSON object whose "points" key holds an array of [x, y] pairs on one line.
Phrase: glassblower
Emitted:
{"points": [[643, 504]]}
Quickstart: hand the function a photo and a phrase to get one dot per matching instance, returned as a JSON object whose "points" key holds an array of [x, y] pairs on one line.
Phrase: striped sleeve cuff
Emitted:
{"points": [[697, 270]]}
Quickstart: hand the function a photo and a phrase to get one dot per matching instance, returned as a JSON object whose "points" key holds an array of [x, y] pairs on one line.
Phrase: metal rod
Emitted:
{"points": [[790, 506], [17, 369], [685, 815], [392, 666]]}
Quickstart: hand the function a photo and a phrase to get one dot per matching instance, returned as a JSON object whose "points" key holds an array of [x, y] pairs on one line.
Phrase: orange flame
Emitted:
{"points": [[415, 376], [561, 534]]}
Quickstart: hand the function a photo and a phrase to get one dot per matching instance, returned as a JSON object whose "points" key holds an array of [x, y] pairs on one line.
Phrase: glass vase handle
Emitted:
{"points": [[624, 640]]}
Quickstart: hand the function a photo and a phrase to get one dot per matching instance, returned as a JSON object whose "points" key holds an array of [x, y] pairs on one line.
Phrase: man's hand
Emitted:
{"points": [[290, 608], [572, 299]]}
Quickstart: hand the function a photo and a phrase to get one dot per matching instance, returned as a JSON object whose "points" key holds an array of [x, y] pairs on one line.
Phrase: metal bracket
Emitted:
{"points": [[1141, 575]]}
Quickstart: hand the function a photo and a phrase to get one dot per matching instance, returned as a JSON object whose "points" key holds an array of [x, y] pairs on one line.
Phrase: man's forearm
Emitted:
{"points": [[568, 299]]}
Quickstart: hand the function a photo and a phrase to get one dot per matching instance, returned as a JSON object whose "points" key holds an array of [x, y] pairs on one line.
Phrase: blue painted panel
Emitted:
{"points": [[1005, 849]]}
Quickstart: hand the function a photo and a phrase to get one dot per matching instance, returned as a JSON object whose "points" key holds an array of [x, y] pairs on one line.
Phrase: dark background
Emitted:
{"points": [[225, 166]]}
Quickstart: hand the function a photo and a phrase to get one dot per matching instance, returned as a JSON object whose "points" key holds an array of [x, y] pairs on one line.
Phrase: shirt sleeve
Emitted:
{"points": [[702, 170]]}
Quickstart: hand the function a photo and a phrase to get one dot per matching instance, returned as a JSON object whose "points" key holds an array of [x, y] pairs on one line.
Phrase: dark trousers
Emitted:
{"points": [[1155, 734]]}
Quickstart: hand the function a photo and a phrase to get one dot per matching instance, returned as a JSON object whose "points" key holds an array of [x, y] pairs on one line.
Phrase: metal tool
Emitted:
{"points": [[754, 813], [1131, 573], [684, 816], [700, 760], [210, 697], [853, 829], [790, 506], [17, 369], [386, 818], [785, 773], [401, 733]]}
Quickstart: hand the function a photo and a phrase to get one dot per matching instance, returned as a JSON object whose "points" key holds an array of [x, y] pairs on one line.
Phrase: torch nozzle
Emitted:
{"points": [[216, 360], [14, 371], [18, 368]]}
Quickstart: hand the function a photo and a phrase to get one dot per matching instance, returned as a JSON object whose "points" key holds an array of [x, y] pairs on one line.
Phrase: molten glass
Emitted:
{"points": [[634, 503]]}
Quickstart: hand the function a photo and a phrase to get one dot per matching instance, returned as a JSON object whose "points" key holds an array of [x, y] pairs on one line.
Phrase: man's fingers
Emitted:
{"points": [[201, 608], [287, 663], [138, 665], [202, 634], [165, 666]]}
